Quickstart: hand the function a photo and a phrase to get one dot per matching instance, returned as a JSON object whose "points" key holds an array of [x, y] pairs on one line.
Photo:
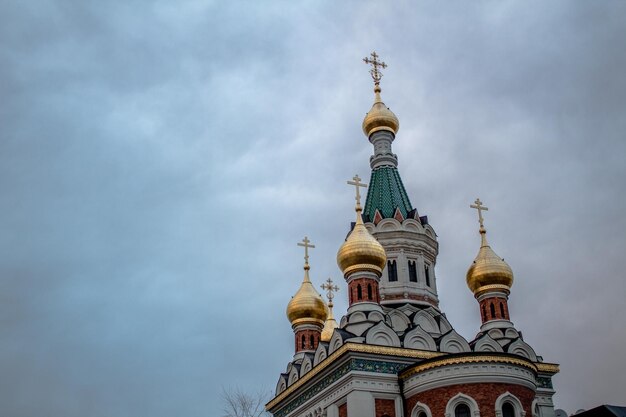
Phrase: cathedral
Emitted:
{"points": [[394, 353]]}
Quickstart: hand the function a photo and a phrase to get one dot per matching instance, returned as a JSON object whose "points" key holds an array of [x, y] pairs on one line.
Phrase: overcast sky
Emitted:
{"points": [[159, 161]]}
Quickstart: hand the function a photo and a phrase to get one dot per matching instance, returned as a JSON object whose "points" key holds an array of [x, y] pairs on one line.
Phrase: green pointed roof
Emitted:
{"points": [[386, 193]]}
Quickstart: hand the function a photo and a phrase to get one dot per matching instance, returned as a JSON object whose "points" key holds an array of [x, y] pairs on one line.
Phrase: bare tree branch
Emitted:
{"points": [[238, 403]]}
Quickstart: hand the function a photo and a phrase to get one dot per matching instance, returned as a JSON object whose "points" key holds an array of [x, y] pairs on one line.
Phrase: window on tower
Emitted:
{"points": [[392, 270], [312, 340], [508, 410], [493, 311], [462, 410], [412, 271], [369, 292], [427, 274], [359, 292], [502, 310]]}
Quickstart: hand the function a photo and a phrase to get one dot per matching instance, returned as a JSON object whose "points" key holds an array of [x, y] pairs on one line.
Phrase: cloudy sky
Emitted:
{"points": [[159, 161]]}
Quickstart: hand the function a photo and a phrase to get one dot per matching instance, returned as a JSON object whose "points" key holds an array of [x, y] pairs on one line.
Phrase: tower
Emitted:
{"points": [[409, 241], [306, 311]]}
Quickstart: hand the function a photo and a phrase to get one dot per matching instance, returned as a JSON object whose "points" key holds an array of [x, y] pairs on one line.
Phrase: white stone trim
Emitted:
{"points": [[418, 338], [383, 335], [461, 398], [419, 407], [507, 397], [474, 373], [453, 343]]}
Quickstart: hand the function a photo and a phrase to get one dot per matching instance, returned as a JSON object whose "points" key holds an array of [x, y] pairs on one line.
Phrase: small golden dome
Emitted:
{"points": [[488, 271], [307, 306], [380, 117], [361, 251], [329, 326]]}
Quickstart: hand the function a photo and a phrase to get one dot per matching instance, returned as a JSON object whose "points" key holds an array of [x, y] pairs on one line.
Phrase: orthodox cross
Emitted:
{"points": [[356, 181], [375, 63], [478, 205], [329, 288], [306, 243]]}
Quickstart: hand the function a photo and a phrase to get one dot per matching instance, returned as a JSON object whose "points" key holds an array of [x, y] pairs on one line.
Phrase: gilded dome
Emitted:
{"points": [[380, 117], [361, 251], [307, 306], [488, 271]]}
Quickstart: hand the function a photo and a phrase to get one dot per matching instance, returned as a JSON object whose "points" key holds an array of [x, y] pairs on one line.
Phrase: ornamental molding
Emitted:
{"points": [[548, 368], [356, 348], [466, 360], [467, 374]]}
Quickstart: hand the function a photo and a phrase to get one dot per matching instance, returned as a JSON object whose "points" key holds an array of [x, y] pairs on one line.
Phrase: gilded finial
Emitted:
{"points": [[330, 288], [306, 243], [356, 181], [478, 205], [375, 72]]}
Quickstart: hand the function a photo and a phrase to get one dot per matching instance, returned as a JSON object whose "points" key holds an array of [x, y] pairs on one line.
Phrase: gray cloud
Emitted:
{"points": [[159, 162]]}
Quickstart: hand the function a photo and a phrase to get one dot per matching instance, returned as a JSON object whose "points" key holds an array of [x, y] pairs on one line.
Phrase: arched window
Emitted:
{"points": [[462, 410], [412, 271], [502, 310], [392, 271], [303, 342], [369, 292], [427, 274], [508, 410], [493, 311], [359, 292], [484, 313], [312, 340], [422, 414]]}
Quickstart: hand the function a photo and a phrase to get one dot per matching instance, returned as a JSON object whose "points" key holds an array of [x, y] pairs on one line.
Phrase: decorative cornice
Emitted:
{"points": [[549, 368], [466, 359], [351, 347]]}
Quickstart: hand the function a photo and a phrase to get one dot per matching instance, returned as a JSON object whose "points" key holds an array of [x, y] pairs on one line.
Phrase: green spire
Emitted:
{"points": [[386, 193]]}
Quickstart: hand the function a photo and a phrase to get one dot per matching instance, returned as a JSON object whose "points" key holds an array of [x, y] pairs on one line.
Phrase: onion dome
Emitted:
{"points": [[329, 326], [488, 271], [307, 306], [361, 251], [380, 117]]}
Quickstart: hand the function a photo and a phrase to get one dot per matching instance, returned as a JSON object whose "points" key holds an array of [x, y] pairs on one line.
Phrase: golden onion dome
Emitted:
{"points": [[488, 271], [361, 251], [307, 306], [380, 117], [329, 326]]}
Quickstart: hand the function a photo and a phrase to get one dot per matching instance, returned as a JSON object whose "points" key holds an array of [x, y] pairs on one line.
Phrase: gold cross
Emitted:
{"points": [[357, 184], [307, 244], [329, 288], [478, 206], [376, 74]]}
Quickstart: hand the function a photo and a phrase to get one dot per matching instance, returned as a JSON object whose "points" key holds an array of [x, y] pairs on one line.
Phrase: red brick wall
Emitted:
{"points": [[385, 407], [343, 410], [485, 309], [307, 339], [485, 395], [363, 282]]}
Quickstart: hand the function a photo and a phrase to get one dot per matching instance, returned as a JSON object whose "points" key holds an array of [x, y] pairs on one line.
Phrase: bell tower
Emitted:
{"points": [[409, 241]]}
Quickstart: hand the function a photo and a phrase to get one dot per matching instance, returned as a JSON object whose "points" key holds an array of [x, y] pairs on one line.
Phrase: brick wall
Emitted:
{"points": [[307, 334], [485, 395], [353, 289], [385, 407], [500, 310], [343, 410]]}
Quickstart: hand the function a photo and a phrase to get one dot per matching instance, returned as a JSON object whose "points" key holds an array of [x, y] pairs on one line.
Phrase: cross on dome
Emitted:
{"points": [[329, 288], [306, 243], [356, 181], [375, 63], [478, 205]]}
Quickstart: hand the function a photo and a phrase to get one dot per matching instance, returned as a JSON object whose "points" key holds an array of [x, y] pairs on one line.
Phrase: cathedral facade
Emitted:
{"points": [[394, 353]]}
